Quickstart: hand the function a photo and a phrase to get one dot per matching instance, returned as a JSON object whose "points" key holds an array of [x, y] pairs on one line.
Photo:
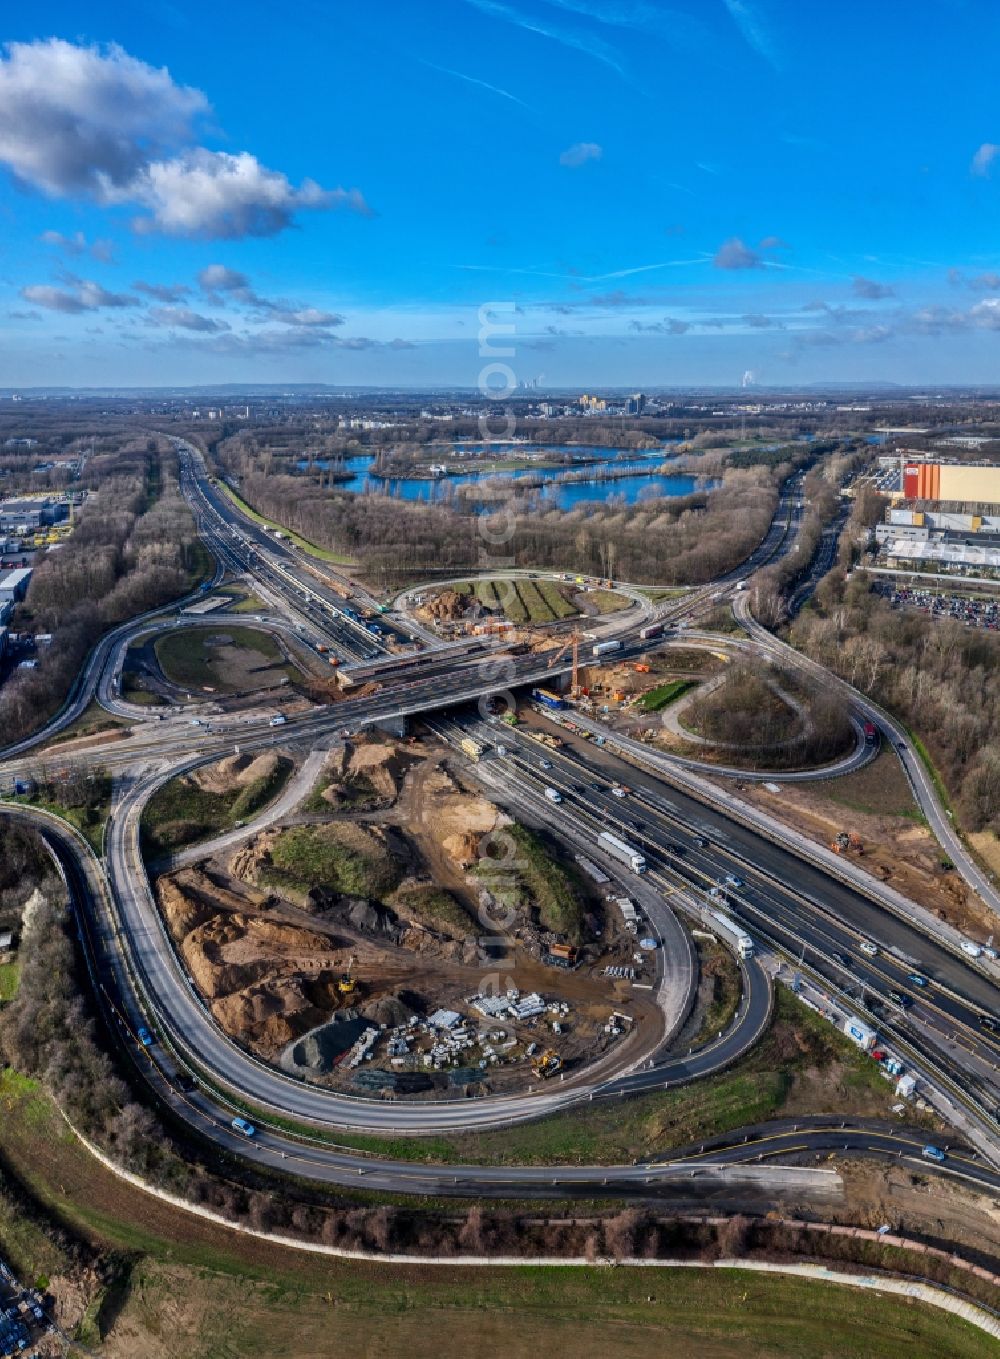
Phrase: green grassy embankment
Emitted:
{"points": [[534, 880], [194, 1288], [664, 694], [342, 857], [313, 549], [182, 813]]}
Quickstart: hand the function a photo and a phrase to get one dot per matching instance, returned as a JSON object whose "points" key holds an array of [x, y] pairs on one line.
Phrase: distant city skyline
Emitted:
{"points": [[694, 196]]}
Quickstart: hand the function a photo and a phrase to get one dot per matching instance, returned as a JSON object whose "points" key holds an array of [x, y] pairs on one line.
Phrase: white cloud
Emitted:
{"points": [[309, 316], [579, 153], [77, 244], [163, 292], [982, 161], [92, 122], [82, 295], [219, 278], [871, 288], [735, 254], [186, 319], [215, 195]]}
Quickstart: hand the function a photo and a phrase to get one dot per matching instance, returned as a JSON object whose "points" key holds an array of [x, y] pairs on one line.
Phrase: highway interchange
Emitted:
{"points": [[690, 845]]}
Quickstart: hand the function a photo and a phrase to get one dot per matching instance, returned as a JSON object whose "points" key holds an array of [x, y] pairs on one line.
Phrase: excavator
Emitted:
{"points": [[546, 1064], [847, 842], [347, 985]]}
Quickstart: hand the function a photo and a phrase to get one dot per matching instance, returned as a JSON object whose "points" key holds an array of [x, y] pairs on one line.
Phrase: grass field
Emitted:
{"points": [[181, 813], [249, 604], [343, 858], [10, 975], [661, 697], [608, 601], [535, 880], [197, 1290], [881, 788], [134, 691], [192, 659], [92, 721], [537, 601]]}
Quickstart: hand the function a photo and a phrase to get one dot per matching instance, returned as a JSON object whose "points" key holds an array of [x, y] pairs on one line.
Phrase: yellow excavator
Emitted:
{"points": [[347, 985], [546, 1064]]}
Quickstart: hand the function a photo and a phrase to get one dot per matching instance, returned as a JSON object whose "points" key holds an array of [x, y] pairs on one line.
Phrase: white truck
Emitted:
{"points": [[602, 648], [738, 939], [623, 852]]}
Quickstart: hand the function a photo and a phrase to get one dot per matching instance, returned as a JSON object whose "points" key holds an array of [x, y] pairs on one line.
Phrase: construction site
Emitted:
{"points": [[502, 605], [345, 942]]}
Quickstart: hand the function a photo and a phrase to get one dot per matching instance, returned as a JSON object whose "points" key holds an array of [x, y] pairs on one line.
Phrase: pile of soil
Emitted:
{"points": [[235, 771], [395, 1008], [266, 981], [446, 607]]}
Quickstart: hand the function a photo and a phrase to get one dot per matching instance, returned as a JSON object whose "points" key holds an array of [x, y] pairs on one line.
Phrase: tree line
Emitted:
{"points": [[135, 546], [684, 540]]}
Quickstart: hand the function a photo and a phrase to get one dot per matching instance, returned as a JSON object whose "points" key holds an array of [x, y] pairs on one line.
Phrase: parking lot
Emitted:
{"points": [[972, 611]]}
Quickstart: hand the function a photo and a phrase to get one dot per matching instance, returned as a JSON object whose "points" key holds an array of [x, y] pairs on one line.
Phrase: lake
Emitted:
{"points": [[641, 482]]}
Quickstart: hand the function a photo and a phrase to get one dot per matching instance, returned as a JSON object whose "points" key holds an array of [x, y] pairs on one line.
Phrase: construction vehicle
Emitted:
{"points": [[546, 1064], [847, 842], [472, 748], [347, 985], [562, 955], [641, 668]]}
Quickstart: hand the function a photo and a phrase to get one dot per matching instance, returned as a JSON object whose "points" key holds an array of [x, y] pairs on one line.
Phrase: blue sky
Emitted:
{"points": [[667, 193]]}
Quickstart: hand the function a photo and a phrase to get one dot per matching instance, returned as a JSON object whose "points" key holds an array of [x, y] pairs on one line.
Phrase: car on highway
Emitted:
{"points": [[898, 998], [144, 1036], [989, 1023], [701, 842], [545, 764], [241, 1125], [916, 979], [733, 881], [867, 947], [932, 1153]]}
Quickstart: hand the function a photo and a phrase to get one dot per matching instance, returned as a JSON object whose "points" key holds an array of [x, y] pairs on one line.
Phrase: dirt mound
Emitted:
{"points": [[457, 819], [235, 771], [266, 981], [250, 858], [381, 766], [181, 913], [446, 606], [463, 848], [395, 1008]]}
